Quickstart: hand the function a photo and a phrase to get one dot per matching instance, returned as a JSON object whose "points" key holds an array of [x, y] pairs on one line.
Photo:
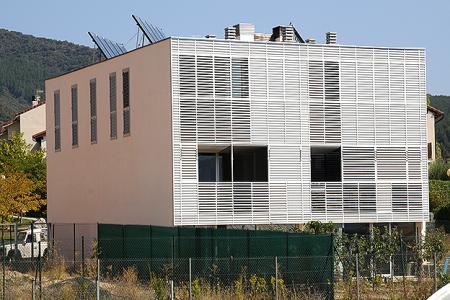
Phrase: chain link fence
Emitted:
{"points": [[225, 278], [400, 278], [230, 268], [218, 278]]}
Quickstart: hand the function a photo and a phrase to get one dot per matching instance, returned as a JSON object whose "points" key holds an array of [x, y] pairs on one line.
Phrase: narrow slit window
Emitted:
{"points": [[93, 105], [74, 116], [126, 102], [57, 118], [112, 106]]}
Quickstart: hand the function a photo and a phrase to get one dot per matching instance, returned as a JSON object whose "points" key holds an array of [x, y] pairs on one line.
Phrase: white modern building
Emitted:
{"points": [[251, 129]]}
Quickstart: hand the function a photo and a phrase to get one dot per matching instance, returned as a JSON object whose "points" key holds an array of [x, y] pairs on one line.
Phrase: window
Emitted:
{"points": [[93, 102], [74, 115], [112, 106], [250, 163], [126, 102], [57, 118], [239, 164], [325, 163], [207, 167], [239, 77], [214, 165], [430, 150]]}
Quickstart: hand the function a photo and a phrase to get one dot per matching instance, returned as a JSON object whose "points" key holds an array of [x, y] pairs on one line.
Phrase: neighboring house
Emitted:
{"points": [[193, 131], [434, 115], [29, 122], [40, 139]]}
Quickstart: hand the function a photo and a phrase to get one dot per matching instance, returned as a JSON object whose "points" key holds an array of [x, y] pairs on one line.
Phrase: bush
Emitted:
{"points": [[439, 195], [437, 170], [443, 213]]}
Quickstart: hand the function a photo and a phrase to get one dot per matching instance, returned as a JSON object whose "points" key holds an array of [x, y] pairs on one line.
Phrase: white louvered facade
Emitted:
{"points": [[370, 102]]}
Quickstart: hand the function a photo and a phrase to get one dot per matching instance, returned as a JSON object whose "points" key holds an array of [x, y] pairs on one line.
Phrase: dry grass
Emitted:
{"points": [[402, 288]]}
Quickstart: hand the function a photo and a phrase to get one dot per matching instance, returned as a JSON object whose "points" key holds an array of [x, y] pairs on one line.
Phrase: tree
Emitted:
{"points": [[16, 195], [16, 158], [317, 227], [434, 243], [16, 155]]}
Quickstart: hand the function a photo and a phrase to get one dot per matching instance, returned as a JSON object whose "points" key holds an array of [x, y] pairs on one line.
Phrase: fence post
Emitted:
{"points": [[98, 279], [391, 267], [190, 279], [82, 256], [276, 278], [357, 278], [3, 269], [40, 270], [32, 240], [33, 289], [171, 290], [15, 237], [435, 272], [74, 247]]}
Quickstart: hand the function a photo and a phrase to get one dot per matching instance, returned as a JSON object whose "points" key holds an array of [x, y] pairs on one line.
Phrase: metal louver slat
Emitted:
{"points": [[368, 102]]}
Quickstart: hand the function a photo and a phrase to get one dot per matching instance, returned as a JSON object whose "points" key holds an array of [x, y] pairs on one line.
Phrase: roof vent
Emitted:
{"points": [[230, 33], [331, 37], [210, 36], [311, 41]]}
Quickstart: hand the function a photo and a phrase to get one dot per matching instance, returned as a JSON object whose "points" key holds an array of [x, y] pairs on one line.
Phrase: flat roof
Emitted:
{"points": [[239, 41]]}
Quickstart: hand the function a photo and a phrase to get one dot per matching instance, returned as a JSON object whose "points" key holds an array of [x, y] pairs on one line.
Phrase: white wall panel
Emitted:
{"points": [[368, 101]]}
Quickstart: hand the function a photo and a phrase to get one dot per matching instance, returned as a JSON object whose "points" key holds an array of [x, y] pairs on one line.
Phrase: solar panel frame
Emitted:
{"points": [[108, 48], [153, 33]]}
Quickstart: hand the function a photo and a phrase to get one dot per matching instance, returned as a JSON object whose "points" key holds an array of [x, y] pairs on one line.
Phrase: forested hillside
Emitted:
{"points": [[443, 127], [26, 61]]}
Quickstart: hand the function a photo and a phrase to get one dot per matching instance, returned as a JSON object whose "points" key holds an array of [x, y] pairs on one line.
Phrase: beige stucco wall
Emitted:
{"points": [[32, 122], [431, 135], [127, 180]]}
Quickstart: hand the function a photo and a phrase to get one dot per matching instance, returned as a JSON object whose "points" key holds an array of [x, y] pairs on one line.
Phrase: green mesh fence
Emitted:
{"points": [[228, 252]]}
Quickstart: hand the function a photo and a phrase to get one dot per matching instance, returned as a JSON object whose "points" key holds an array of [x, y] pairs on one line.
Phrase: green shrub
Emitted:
{"points": [[443, 213], [439, 194], [437, 170]]}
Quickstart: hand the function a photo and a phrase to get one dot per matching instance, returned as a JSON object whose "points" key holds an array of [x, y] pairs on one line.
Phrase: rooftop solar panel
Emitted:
{"points": [[108, 48], [153, 33]]}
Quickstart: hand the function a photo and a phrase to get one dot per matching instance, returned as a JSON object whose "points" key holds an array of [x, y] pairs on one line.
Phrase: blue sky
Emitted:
{"points": [[398, 23]]}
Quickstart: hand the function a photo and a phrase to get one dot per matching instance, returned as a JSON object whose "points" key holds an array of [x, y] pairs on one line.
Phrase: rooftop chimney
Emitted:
{"points": [[311, 41], [35, 100], [331, 38], [245, 32], [230, 33]]}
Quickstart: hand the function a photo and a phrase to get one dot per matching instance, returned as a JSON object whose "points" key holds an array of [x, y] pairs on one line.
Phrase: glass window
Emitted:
{"points": [[249, 164], [207, 167], [239, 77], [325, 164]]}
